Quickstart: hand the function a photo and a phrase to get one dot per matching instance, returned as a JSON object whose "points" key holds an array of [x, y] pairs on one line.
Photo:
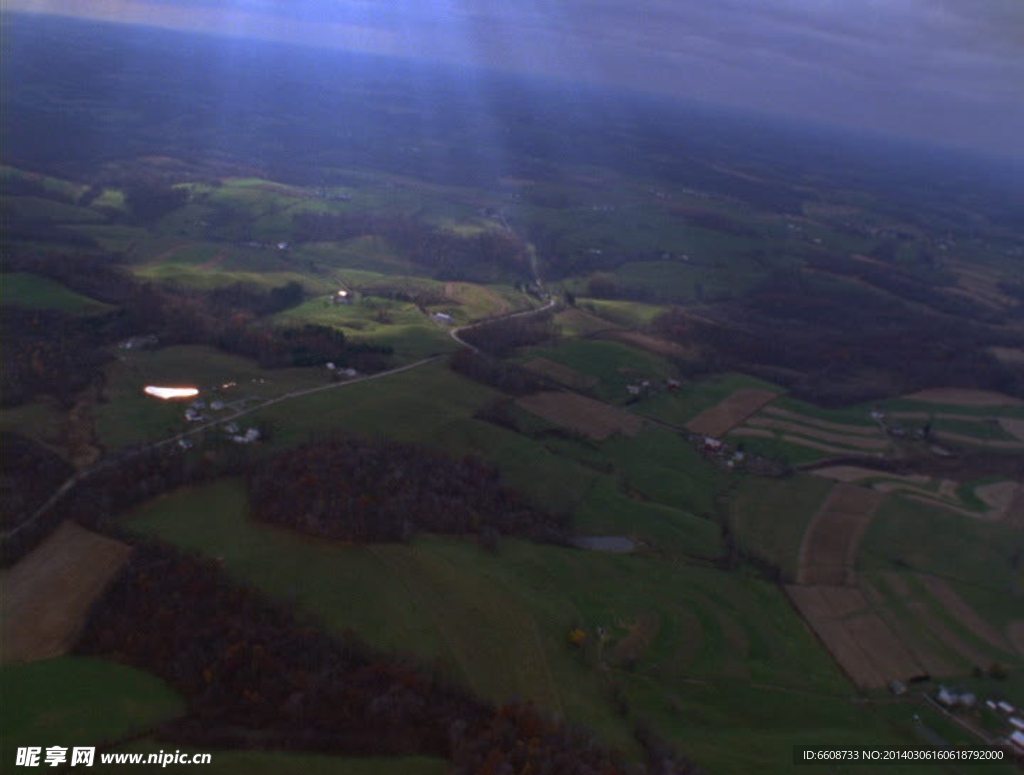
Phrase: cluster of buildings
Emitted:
{"points": [[341, 372], [1013, 736]]}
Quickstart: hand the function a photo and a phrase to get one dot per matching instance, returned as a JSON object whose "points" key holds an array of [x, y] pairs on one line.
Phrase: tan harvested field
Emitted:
{"points": [[727, 414], [857, 442], [859, 640], [941, 416], [1015, 632], [650, 343], [979, 442], [561, 374], [1012, 426], [1015, 514], [856, 473], [963, 613], [931, 501], [876, 638], [828, 551], [755, 433], [578, 413], [47, 595], [805, 442], [862, 430], [999, 496], [843, 601], [964, 397], [1011, 356]]}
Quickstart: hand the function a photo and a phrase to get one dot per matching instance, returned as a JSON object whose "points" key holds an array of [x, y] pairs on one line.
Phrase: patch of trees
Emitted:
{"points": [[51, 352], [29, 474], [21, 228], [714, 221], [835, 346], [255, 677], [257, 300], [506, 377], [357, 489], [97, 277], [922, 287], [150, 200], [117, 484], [499, 337]]}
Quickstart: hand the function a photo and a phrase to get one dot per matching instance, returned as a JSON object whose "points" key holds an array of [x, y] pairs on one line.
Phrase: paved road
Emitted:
{"points": [[454, 332]]}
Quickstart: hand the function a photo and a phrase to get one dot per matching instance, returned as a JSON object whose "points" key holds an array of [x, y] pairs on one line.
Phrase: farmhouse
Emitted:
{"points": [[342, 297], [442, 317], [1017, 740]]}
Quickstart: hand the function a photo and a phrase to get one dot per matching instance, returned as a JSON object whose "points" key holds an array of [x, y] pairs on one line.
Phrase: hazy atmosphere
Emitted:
{"points": [[947, 71], [493, 388]]}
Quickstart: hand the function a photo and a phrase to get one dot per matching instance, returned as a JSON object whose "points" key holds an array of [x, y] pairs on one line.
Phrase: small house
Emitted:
{"points": [[1017, 740], [946, 697]]}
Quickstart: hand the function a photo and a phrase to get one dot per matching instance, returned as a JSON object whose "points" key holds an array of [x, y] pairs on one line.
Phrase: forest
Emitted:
{"points": [[358, 489]]}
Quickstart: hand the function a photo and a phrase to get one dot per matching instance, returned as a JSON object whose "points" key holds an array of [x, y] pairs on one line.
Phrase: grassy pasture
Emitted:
{"points": [[769, 517], [412, 406], [71, 701], [31, 290], [907, 535], [41, 419], [500, 623], [632, 314]]}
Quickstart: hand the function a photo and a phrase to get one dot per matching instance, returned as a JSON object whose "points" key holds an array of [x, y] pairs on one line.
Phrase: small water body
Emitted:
{"points": [[616, 544]]}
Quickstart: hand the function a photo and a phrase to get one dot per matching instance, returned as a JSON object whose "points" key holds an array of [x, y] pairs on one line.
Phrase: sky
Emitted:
{"points": [[950, 72]]}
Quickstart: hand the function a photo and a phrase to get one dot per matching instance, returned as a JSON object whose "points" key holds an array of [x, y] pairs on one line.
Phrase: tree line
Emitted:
{"points": [[359, 489]]}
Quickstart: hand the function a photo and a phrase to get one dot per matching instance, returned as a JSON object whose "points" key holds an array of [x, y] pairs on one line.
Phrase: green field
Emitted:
{"points": [[769, 517], [71, 701], [906, 535], [33, 291], [723, 643]]}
